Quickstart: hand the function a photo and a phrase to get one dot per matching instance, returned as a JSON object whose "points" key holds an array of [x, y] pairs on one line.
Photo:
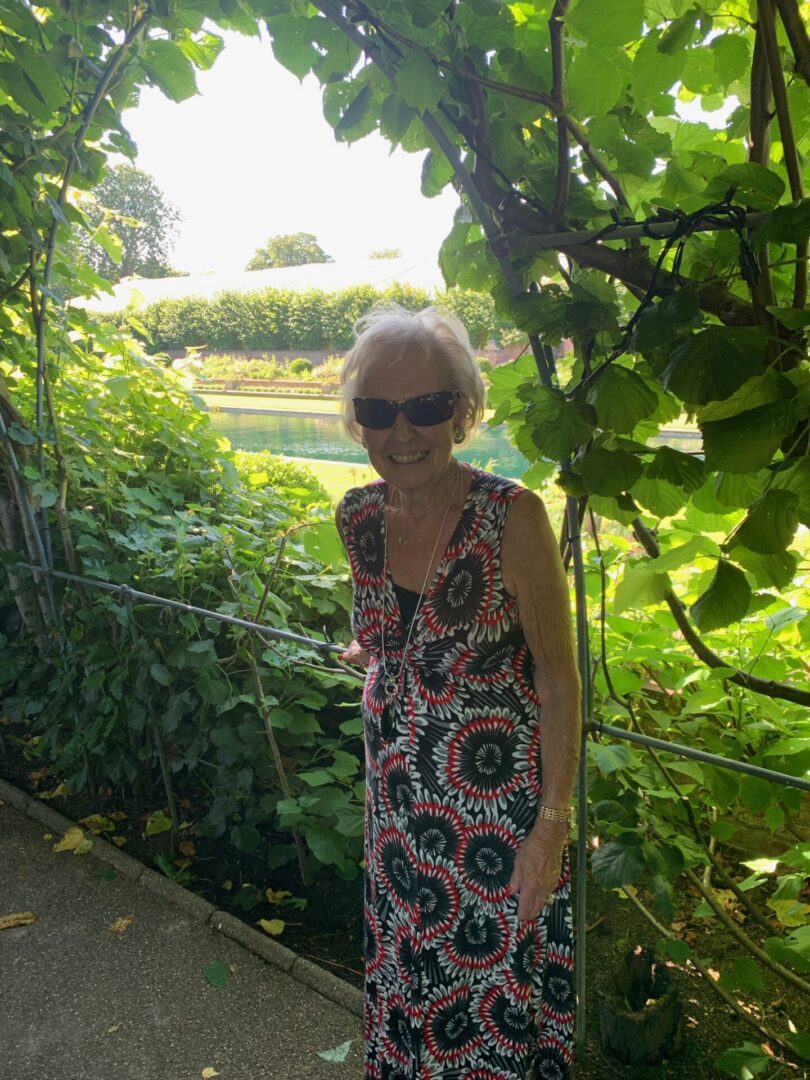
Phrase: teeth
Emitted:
{"points": [[407, 459]]}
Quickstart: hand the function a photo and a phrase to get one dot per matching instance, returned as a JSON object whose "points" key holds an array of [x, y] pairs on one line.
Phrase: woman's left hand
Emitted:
{"points": [[538, 865]]}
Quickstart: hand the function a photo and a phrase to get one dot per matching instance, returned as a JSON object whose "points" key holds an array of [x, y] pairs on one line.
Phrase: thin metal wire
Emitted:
{"points": [[126, 593]]}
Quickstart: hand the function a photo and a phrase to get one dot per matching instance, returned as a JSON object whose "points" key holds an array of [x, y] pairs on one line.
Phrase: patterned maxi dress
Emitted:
{"points": [[456, 986]]}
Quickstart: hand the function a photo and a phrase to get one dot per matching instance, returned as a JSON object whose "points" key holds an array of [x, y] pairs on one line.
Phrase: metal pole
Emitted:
{"points": [[702, 755]]}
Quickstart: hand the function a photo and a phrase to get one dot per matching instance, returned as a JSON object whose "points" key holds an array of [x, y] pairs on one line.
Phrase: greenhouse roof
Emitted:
{"points": [[331, 277]]}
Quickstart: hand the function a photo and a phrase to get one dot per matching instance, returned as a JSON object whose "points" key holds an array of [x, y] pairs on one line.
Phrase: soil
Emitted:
{"points": [[328, 931]]}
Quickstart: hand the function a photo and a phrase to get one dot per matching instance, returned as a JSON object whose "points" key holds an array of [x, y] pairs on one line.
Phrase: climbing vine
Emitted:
{"points": [[558, 126]]}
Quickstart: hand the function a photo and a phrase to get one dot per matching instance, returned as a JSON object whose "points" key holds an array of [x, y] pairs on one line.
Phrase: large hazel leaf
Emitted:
{"points": [[676, 467], [715, 362], [609, 472], [621, 399], [725, 601], [590, 20], [746, 442], [558, 426], [756, 186], [169, 68], [292, 43], [640, 587], [419, 82], [619, 862], [771, 523]]}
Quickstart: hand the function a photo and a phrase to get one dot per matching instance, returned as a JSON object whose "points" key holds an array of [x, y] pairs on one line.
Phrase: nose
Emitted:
{"points": [[402, 425]]}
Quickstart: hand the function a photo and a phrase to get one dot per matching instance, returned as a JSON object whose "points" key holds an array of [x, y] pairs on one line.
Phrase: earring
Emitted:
{"points": [[458, 433]]}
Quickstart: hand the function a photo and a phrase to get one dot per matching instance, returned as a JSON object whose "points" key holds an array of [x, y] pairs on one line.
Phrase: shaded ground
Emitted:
{"points": [[328, 932]]}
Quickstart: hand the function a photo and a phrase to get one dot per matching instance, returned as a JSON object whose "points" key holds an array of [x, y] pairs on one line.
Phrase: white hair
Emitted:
{"points": [[440, 337]]}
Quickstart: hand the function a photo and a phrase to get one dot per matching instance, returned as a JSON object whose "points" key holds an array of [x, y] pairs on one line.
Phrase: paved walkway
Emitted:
{"points": [[80, 1000]]}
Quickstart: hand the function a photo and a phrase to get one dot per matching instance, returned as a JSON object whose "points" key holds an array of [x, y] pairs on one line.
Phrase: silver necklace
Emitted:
{"points": [[392, 680]]}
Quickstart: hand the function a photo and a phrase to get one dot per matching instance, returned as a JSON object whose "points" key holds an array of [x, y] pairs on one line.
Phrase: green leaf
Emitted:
{"points": [[609, 472], [338, 1054], [419, 82], [789, 224], [680, 32], [586, 95], [618, 862], [217, 974], [715, 362], [316, 777], [757, 794], [558, 426], [246, 838], [744, 1061], [746, 442], [725, 601], [161, 674], [396, 116], [292, 43], [676, 467], [664, 859], [587, 18], [169, 68], [732, 56], [437, 172], [621, 399], [675, 949], [639, 588], [355, 113], [756, 186], [769, 570], [667, 320], [609, 757], [663, 897], [771, 523]]}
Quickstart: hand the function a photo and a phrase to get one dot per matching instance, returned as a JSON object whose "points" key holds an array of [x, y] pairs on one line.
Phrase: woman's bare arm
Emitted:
{"points": [[534, 574]]}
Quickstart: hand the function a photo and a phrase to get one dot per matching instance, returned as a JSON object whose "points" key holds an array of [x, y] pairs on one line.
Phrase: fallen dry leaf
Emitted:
{"points": [[122, 924], [117, 815], [181, 864], [188, 847], [119, 841], [272, 926], [115, 1027], [71, 840], [276, 897], [19, 918], [98, 823], [61, 790], [209, 1073]]}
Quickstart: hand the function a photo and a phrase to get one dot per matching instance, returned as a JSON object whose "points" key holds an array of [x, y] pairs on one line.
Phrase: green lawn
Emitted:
{"points": [[337, 476], [293, 403]]}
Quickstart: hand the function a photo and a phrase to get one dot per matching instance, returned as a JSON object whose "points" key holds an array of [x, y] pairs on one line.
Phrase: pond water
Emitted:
{"points": [[322, 438]]}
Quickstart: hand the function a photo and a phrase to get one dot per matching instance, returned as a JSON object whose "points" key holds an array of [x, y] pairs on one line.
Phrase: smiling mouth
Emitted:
{"points": [[408, 459]]}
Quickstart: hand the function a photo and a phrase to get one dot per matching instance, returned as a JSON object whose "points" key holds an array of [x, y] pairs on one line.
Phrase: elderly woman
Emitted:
{"points": [[471, 711]]}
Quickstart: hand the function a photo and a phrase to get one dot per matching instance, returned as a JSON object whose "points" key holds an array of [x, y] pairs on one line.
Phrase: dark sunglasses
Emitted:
{"points": [[427, 410]]}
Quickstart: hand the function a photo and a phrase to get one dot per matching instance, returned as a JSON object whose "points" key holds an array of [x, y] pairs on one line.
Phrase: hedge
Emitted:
{"points": [[275, 319]]}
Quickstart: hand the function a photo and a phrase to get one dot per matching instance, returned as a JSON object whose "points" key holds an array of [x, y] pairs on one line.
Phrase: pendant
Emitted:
{"points": [[390, 687]]}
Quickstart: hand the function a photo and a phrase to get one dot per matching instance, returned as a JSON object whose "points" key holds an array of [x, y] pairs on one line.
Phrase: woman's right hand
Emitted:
{"points": [[354, 654]]}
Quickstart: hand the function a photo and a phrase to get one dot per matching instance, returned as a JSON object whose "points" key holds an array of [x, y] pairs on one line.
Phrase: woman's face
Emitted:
{"points": [[406, 456]]}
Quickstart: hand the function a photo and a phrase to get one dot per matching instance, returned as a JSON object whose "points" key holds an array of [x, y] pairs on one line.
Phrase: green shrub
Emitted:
{"points": [[274, 319], [300, 366], [297, 484]]}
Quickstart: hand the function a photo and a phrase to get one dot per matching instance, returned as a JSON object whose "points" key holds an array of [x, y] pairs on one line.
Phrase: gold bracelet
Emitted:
{"points": [[551, 813]]}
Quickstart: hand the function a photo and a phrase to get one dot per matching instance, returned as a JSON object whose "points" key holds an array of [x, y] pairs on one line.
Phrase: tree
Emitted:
{"points": [[386, 253], [292, 249], [130, 216]]}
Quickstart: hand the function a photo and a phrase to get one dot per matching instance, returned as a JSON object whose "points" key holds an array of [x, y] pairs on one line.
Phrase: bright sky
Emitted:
{"points": [[252, 157]]}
